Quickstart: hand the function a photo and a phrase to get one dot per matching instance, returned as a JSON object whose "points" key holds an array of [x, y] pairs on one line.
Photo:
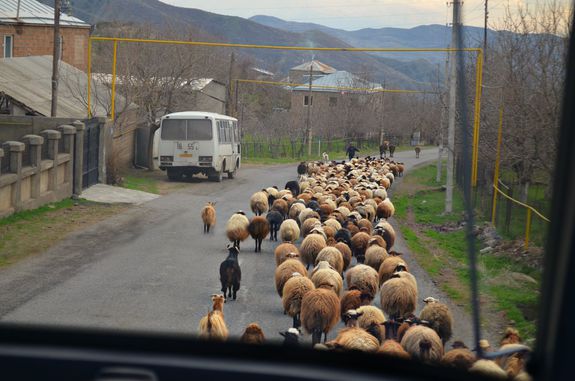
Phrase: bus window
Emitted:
{"points": [[199, 129], [236, 136], [173, 129]]}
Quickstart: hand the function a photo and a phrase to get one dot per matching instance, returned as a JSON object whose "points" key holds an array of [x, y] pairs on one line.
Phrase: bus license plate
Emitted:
{"points": [[185, 155]]}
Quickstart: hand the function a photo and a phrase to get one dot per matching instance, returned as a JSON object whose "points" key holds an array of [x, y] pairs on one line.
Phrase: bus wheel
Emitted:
{"points": [[174, 175], [231, 174], [217, 177]]}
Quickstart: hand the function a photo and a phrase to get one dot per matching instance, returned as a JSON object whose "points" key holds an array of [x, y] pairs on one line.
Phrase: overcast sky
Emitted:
{"points": [[356, 14]]}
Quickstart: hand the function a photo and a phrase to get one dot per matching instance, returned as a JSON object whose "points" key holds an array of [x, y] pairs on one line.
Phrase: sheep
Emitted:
{"points": [[359, 245], [514, 360], [333, 223], [284, 272], [237, 228], [372, 320], [423, 343], [439, 318], [394, 349], [353, 299], [511, 336], [291, 337], [259, 229], [293, 186], [259, 203], [302, 168], [213, 326], [355, 339], [385, 209], [381, 193], [460, 358], [294, 290], [363, 278], [319, 313], [275, 219], [253, 334], [307, 213], [308, 225], [398, 295], [333, 256], [375, 254], [389, 266], [324, 276], [209, 216], [283, 249], [385, 230], [230, 273], [488, 368], [365, 225], [295, 209], [343, 235], [281, 206], [310, 248], [345, 252]]}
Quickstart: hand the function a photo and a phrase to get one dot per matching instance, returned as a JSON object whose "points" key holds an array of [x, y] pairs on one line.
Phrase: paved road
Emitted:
{"points": [[151, 268]]}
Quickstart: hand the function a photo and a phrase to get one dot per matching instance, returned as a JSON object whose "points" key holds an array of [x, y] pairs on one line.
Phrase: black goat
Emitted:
{"points": [[293, 186], [275, 219], [230, 273]]}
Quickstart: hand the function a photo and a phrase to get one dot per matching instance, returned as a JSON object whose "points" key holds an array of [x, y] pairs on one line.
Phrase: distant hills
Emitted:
{"points": [[399, 70]]}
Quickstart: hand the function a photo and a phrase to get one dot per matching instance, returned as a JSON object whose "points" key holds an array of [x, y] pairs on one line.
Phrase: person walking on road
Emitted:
{"points": [[351, 150]]}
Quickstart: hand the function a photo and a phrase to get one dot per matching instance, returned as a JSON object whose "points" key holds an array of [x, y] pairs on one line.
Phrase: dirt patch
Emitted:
{"points": [[34, 233]]}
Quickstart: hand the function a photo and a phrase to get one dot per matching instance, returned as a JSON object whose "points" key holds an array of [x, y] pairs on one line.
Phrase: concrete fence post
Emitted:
{"points": [[69, 132], [53, 137], [1, 156], [35, 143], [16, 149], [78, 157]]}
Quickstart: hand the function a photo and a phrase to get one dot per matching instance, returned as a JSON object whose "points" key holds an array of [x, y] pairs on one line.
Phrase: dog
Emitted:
{"points": [[325, 157]]}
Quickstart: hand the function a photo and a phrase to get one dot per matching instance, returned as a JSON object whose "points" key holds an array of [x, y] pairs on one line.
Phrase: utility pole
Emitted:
{"points": [[381, 132], [441, 122], [55, 57], [309, 103], [229, 104], [452, 106], [485, 32]]}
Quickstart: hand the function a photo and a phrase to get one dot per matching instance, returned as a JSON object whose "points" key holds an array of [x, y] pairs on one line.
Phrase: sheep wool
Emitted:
{"points": [[253, 334], [209, 216], [423, 343], [289, 231], [259, 228], [345, 252], [363, 278], [308, 225], [295, 209], [324, 276], [389, 266], [284, 272], [352, 300], [439, 318], [282, 250], [259, 203], [355, 339], [394, 349], [460, 358], [333, 256], [374, 256], [237, 228], [293, 292], [310, 248], [333, 223], [398, 296], [488, 368], [319, 312]]}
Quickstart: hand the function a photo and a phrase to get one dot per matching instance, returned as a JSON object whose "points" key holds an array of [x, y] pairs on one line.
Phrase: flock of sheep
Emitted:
{"points": [[340, 212]]}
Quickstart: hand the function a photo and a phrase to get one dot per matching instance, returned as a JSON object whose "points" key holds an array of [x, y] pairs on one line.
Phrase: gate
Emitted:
{"points": [[90, 171]]}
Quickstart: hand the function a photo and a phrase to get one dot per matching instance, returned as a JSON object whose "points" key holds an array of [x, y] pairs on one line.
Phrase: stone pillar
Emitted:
{"points": [[53, 137], [78, 157], [35, 147], [68, 132], [1, 156], [16, 149]]}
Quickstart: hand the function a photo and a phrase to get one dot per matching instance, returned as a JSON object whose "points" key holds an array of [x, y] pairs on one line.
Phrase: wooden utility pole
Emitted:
{"points": [[308, 119], [442, 121], [55, 58], [229, 102], [381, 130], [452, 110], [486, 13]]}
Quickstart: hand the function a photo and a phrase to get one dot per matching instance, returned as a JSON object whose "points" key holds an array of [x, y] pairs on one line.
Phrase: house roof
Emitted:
{"points": [[315, 66], [196, 84], [34, 12], [340, 78], [28, 80]]}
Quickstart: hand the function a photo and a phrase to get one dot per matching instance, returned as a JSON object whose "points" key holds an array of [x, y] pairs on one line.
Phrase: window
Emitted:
{"points": [[307, 101], [181, 129], [332, 101], [8, 42], [225, 131]]}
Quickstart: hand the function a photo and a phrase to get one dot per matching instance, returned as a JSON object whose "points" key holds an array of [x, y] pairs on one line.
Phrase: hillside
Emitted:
{"points": [[239, 30]]}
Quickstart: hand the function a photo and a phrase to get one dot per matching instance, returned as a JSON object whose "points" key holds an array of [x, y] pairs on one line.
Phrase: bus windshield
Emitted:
{"points": [[182, 129]]}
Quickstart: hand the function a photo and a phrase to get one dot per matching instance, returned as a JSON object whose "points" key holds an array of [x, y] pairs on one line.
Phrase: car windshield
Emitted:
{"points": [[380, 178]]}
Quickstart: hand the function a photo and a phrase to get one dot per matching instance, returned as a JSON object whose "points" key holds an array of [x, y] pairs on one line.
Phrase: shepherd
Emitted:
{"points": [[351, 150], [383, 149]]}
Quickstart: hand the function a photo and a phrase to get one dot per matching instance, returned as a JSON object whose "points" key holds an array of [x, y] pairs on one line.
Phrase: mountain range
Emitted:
{"points": [[396, 69]]}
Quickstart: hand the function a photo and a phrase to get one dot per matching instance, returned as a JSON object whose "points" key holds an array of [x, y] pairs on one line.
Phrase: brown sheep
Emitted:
{"points": [[394, 349], [513, 363], [319, 313], [355, 339], [460, 358], [359, 245], [389, 266], [375, 255], [333, 256], [289, 231], [439, 318], [295, 210], [423, 343], [385, 209], [213, 326], [253, 334], [209, 216], [511, 337], [237, 228], [334, 223], [310, 248], [259, 203], [294, 290], [488, 368], [284, 272], [372, 320], [345, 252], [259, 228], [363, 278], [309, 224], [353, 299], [281, 206], [365, 224], [385, 230], [324, 276], [282, 250], [329, 231], [398, 295]]}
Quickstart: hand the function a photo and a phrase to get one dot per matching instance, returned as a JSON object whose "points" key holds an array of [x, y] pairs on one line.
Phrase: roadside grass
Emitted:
{"points": [[31, 232], [145, 184], [509, 289]]}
